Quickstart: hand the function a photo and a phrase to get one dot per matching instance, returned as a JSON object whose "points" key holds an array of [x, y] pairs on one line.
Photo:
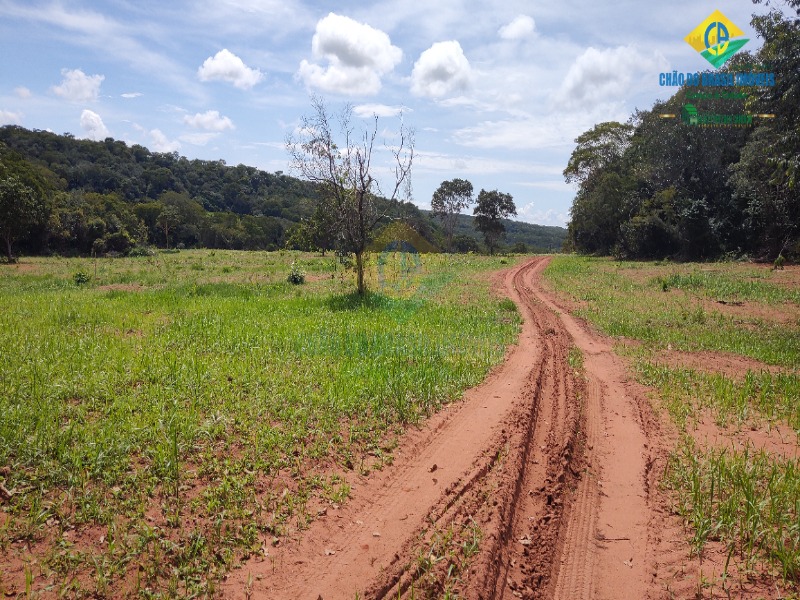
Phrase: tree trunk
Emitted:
{"points": [[8, 251], [362, 289]]}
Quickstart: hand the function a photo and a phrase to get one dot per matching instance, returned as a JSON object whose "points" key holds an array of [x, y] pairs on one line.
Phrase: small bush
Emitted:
{"points": [[80, 278], [296, 276], [137, 251]]}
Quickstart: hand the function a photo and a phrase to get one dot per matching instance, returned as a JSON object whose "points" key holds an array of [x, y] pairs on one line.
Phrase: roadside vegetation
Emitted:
{"points": [[166, 416], [720, 345]]}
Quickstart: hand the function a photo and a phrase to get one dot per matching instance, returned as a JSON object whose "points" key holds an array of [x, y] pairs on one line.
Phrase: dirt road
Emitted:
{"points": [[546, 465]]}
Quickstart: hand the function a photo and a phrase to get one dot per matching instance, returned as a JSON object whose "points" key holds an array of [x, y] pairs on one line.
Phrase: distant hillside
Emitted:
{"points": [[136, 174], [109, 197], [536, 237]]}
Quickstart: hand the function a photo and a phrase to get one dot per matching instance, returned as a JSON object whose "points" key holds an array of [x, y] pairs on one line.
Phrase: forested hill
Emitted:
{"points": [[134, 174], [109, 197]]}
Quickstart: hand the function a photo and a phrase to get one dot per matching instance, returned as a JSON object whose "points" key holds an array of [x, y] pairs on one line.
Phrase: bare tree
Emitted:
{"points": [[340, 161]]}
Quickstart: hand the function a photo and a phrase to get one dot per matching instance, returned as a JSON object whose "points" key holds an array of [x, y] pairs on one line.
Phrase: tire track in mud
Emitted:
{"points": [[546, 468], [576, 572], [606, 549], [523, 457]]}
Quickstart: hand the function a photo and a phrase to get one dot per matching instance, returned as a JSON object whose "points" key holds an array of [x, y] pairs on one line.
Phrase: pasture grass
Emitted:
{"points": [[749, 500], [165, 417], [621, 303], [758, 399]]}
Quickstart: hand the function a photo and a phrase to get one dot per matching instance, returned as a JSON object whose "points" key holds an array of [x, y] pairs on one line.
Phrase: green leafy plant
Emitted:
{"points": [[81, 278], [296, 276]]}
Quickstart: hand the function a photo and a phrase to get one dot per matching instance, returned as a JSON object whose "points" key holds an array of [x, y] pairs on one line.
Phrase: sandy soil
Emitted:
{"points": [[555, 466]]}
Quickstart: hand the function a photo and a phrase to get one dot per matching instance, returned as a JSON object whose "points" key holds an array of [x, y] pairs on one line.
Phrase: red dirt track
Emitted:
{"points": [[555, 466]]}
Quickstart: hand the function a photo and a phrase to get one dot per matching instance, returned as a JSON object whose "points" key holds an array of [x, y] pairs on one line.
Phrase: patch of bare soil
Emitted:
{"points": [[789, 276], [555, 469], [777, 439], [769, 313], [733, 366], [19, 267], [121, 287]]}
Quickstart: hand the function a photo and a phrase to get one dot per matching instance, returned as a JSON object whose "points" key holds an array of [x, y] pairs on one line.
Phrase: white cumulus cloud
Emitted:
{"points": [[22, 92], [382, 110], [226, 66], [129, 95], [519, 28], [357, 56], [77, 86], [441, 70], [10, 118], [603, 75], [93, 125], [210, 120], [163, 144]]}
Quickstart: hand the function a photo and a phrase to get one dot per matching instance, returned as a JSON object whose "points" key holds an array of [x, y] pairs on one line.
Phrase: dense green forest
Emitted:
{"points": [[658, 187], [59, 194]]}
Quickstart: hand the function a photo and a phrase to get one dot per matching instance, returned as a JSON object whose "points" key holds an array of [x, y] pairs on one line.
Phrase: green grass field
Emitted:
{"points": [[748, 500], [163, 417]]}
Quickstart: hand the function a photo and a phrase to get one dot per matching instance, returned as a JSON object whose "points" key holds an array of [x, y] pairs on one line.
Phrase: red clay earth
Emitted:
{"points": [[732, 366], [556, 467]]}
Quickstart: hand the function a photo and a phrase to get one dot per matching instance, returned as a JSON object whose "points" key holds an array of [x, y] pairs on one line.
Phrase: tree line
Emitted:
{"points": [[70, 196], [656, 187], [59, 194]]}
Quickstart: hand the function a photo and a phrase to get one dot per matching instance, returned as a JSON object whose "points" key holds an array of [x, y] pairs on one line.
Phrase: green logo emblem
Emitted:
{"points": [[716, 39], [689, 114]]}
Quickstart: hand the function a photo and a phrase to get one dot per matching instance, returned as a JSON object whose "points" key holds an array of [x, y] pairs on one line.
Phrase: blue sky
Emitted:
{"points": [[495, 91]]}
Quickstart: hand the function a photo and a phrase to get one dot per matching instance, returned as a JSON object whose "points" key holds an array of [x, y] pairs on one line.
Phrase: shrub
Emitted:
{"points": [[296, 276], [81, 278], [141, 251]]}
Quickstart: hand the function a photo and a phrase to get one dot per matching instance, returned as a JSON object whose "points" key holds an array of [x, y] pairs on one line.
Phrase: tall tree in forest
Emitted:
{"points": [[21, 208], [596, 149]]}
